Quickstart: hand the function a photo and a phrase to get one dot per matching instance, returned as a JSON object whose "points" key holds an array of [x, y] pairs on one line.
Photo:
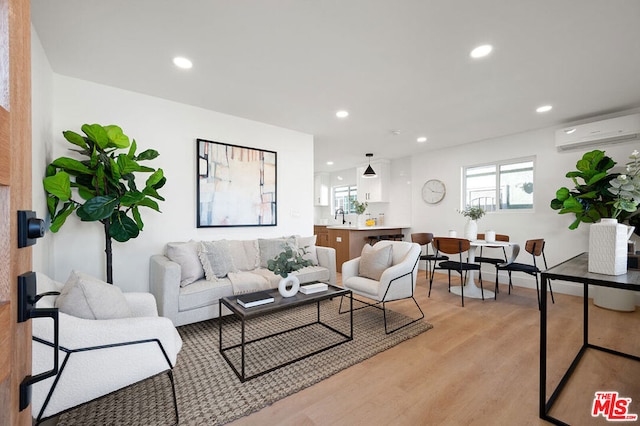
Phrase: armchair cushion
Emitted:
{"points": [[374, 261], [84, 296]]}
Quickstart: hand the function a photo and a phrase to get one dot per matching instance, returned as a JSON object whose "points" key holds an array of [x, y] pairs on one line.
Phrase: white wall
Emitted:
{"points": [[543, 222], [41, 130], [172, 129]]}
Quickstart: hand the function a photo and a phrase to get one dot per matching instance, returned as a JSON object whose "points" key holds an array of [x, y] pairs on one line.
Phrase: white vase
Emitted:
{"points": [[608, 247], [290, 280], [471, 230], [360, 221]]}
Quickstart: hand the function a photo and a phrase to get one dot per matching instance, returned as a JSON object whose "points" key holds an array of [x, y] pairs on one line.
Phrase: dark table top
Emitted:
{"points": [[282, 303], [576, 269]]}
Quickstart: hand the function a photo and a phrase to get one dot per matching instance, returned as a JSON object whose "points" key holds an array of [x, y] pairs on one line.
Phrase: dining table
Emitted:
{"points": [[470, 287]]}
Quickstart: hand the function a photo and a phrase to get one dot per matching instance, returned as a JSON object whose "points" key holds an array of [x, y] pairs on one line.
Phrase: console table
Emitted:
{"points": [[576, 270]]}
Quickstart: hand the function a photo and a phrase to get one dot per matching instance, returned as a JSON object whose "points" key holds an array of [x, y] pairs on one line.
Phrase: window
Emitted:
{"points": [[343, 197], [506, 185]]}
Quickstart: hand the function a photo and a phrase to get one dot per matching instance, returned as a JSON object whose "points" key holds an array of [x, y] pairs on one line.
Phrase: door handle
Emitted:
{"points": [[27, 299]]}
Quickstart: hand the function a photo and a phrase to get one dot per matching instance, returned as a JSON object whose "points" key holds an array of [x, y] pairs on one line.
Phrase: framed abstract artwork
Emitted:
{"points": [[236, 185]]}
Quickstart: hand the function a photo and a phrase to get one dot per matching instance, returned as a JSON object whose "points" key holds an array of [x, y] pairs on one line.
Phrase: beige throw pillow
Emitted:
{"points": [[245, 254], [309, 245], [270, 248], [216, 259], [186, 255], [84, 296], [374, 261]]}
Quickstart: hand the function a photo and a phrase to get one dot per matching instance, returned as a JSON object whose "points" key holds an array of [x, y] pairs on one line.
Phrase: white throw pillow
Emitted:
{"points": [[270, 248], [216, 259], [84, 296], [186, 255], [309, 245], [245, 254], [374, 261]]}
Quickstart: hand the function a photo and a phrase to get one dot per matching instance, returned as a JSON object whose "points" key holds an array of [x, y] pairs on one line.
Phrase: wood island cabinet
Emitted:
{"points": [[349, 242], [322, 235]]}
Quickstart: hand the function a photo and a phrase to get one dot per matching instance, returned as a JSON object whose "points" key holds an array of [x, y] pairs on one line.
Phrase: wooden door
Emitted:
{"points": [[15, 194]]}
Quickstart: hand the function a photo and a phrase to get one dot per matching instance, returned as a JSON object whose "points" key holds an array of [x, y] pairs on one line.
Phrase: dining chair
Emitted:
{"points": [[536, 249], [452, 246], [425, 239], [492, 260]]}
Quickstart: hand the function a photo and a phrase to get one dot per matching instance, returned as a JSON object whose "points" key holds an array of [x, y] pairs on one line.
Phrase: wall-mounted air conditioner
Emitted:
{"points": [[612, 130]]}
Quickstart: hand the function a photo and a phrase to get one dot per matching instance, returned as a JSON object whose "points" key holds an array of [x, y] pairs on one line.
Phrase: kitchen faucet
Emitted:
{"points": [[340, 211]]}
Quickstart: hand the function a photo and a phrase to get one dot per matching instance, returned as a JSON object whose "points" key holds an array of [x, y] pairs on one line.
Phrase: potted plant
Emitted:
{"points": [[359, 209], [289, 260], [472, 213], [606, 201], [102, 188]]}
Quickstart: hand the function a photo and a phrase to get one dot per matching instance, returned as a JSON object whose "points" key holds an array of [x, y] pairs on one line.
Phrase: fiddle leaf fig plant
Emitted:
{"points": [[103, 188]]}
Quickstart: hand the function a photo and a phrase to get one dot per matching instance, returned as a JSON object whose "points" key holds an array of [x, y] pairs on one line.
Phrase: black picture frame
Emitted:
{"points": [[236, 185]]}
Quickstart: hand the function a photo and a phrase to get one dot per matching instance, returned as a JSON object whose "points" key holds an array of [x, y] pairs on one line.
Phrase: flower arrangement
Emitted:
{"points": [[599, 194], [288, 261], [472, 212], [359, 207], [626, 187]]}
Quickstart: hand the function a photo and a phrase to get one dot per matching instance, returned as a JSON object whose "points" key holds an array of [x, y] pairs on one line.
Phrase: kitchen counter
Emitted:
{"points": [[367, 228], [348, 240]]}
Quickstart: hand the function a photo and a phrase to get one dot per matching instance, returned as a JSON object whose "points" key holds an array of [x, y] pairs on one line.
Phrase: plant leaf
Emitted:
{"points": [[148, 154], [122, 227], [131, 197], [98, 208], [61, 217], [155, 178], [70, 164], [137, 218], [96, 134], [75, 139], [127, 165], [58, 185], [117, 139], [148, 202]]}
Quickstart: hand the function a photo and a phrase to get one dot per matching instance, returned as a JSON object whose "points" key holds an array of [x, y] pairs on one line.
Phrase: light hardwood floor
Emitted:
{"points": [[479, 365]]}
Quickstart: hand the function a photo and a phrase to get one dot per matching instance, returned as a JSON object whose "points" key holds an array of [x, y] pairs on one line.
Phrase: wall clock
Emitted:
{"points": [[433, 191]]}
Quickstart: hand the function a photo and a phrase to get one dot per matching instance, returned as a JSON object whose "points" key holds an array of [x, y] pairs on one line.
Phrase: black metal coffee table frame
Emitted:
{"points": [[280, 304]]}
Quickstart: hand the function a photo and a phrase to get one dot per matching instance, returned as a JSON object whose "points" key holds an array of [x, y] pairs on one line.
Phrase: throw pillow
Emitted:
{"points": [[309, 245], [245, 254], [374, 261], [270, 248], [186, 255], [84, 296], [216, 259]]}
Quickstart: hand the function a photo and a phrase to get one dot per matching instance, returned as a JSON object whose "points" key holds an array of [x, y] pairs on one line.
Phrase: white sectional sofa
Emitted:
{"points": [[190, 277]]}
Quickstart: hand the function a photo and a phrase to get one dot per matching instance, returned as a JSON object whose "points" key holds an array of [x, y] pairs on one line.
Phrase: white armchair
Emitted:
{"points": [[97, 357], [396, 282]]}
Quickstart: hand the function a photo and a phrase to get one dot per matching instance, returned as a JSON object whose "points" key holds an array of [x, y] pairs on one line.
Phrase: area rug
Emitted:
{"points": [[208, 391]]}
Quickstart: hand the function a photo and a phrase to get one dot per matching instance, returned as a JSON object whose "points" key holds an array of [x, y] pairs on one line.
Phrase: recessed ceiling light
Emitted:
{"points": [[181, 62], [544, 108], [339, 177], [481, 51], [569, 131], [329, 163], [422, 139], [342, 114]]}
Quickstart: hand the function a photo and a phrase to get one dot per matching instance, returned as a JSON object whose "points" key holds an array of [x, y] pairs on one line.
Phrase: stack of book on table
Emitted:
{"points": [[313, 288], [254, 299]]}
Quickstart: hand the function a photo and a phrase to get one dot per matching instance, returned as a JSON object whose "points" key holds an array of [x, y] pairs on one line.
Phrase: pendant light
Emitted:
{"points": [[369, 173]]}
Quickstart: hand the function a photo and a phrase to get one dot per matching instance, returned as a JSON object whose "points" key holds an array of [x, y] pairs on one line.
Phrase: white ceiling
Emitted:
{"points": [[393, 64]]}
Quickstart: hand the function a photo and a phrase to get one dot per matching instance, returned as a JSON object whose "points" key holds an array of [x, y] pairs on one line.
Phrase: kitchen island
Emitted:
{"points": [[348, 240]]}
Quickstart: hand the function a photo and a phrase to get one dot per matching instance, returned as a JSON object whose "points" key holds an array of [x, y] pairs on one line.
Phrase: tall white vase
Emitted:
{"points": [[471, 230], [608, 247]]}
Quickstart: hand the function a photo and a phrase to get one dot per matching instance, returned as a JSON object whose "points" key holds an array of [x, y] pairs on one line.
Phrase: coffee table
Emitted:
{"points": [[280, 304]]}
